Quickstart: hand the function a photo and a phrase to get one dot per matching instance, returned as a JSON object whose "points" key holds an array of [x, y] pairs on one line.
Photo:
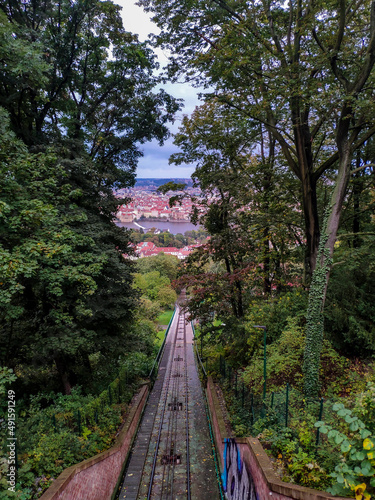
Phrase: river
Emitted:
{"points": [[172, 227]]}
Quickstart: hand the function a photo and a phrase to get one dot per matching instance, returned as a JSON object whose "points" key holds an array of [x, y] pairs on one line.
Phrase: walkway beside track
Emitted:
{"points": [[201, 467]]}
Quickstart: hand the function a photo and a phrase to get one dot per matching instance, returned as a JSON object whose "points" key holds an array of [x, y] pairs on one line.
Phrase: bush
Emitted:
{"points": [[57, 431], [355, 471], [275, 313], [350, 307], [365, 407], [285, 361]]}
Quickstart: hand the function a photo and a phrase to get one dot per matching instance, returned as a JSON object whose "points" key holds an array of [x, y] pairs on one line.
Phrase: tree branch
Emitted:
{"points": [[361, 168], [369, 58]]}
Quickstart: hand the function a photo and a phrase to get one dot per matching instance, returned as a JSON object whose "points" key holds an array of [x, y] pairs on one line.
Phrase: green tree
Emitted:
{"points": [[349, 312], [78, 89], [306, 73], [48, 269], [292, 69], [150, 283], [166, 265], [166, 296], [251, 208]]}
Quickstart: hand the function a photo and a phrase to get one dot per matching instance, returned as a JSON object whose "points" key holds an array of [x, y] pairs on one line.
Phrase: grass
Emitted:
{"points": [[159, 338], [163, 320], [165, 317]]}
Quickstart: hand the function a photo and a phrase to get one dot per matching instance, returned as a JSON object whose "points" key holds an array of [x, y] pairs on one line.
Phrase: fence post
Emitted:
{"points": [[272, 395], [320, 418], [79, 422], [252, 408], [287, 405]]}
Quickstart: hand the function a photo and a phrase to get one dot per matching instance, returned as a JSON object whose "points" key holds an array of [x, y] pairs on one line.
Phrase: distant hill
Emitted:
{"points": [[159, 182]]}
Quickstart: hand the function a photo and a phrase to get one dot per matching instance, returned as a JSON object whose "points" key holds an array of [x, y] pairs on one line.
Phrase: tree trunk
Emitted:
{"points": [[357, 190], [266, 263], [232, 298], [63, 371], [320, 278], [312, 230], [303, 143]]}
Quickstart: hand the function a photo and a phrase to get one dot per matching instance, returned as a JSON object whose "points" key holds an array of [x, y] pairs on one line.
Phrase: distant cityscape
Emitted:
{"points": [[149, 249], [147, 204]]}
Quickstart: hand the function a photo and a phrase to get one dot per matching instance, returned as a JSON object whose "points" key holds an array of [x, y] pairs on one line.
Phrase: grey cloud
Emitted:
{"points": [[154, 162]]}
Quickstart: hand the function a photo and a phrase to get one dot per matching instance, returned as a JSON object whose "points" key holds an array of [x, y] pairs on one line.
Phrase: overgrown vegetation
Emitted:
{"points": [[332, 450], [77, 99], [55, 431], [283, 149], [166, 239]]}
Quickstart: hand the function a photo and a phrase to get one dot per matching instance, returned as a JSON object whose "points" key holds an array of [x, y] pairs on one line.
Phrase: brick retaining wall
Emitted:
{"points": [[267, 484], [97, 477]]}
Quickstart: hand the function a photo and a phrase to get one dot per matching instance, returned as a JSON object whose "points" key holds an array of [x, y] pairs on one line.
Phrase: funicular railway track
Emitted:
{"points": [[171, 455], [160, 466]]}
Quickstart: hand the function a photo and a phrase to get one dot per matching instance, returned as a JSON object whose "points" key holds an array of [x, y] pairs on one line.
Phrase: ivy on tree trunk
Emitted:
{"points": [[315, 319]]}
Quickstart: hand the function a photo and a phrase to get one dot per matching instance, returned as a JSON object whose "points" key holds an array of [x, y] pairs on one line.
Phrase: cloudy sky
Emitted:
{"points": [[155, 160]]}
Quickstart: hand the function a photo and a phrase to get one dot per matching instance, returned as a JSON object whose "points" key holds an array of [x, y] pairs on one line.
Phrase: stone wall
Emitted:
{"points": [[97, 477], [246, 469]]}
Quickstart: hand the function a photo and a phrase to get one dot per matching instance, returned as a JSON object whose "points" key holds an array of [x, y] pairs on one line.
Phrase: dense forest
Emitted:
{"points": [[78, 97], [282, 291], [166, 239], [283, 149]]}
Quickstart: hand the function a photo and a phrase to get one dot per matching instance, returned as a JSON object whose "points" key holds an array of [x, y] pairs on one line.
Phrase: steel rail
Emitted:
{"points": [[181, 326], [161, 424], [170, 427], [187, 417], [158, 356], [174, 419]]}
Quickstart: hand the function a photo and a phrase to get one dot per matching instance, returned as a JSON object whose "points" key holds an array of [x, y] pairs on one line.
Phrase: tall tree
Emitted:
{"points": [[242, 206], [79, 92], [293, 68], [306, 71]]}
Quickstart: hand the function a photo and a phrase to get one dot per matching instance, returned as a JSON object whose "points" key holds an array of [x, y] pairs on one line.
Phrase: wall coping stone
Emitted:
{"points": [[62, 481], [217, 407]]}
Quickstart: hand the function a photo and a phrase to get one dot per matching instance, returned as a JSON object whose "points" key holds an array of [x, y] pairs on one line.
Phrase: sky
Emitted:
{"points": [[154, 162]]}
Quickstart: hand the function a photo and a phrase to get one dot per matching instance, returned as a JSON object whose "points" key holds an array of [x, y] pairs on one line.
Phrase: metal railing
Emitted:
{"points": [[198, 356], [152, 374]]}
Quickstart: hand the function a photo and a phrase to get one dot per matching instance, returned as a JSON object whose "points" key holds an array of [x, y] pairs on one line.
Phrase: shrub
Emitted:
{"points": [[285, 361], [355, 444], [276, 312], [365, 407]]}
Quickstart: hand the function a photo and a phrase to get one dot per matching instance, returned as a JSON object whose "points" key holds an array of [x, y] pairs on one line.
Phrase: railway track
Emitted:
{"points": [[169, 442], [170, 473]]}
